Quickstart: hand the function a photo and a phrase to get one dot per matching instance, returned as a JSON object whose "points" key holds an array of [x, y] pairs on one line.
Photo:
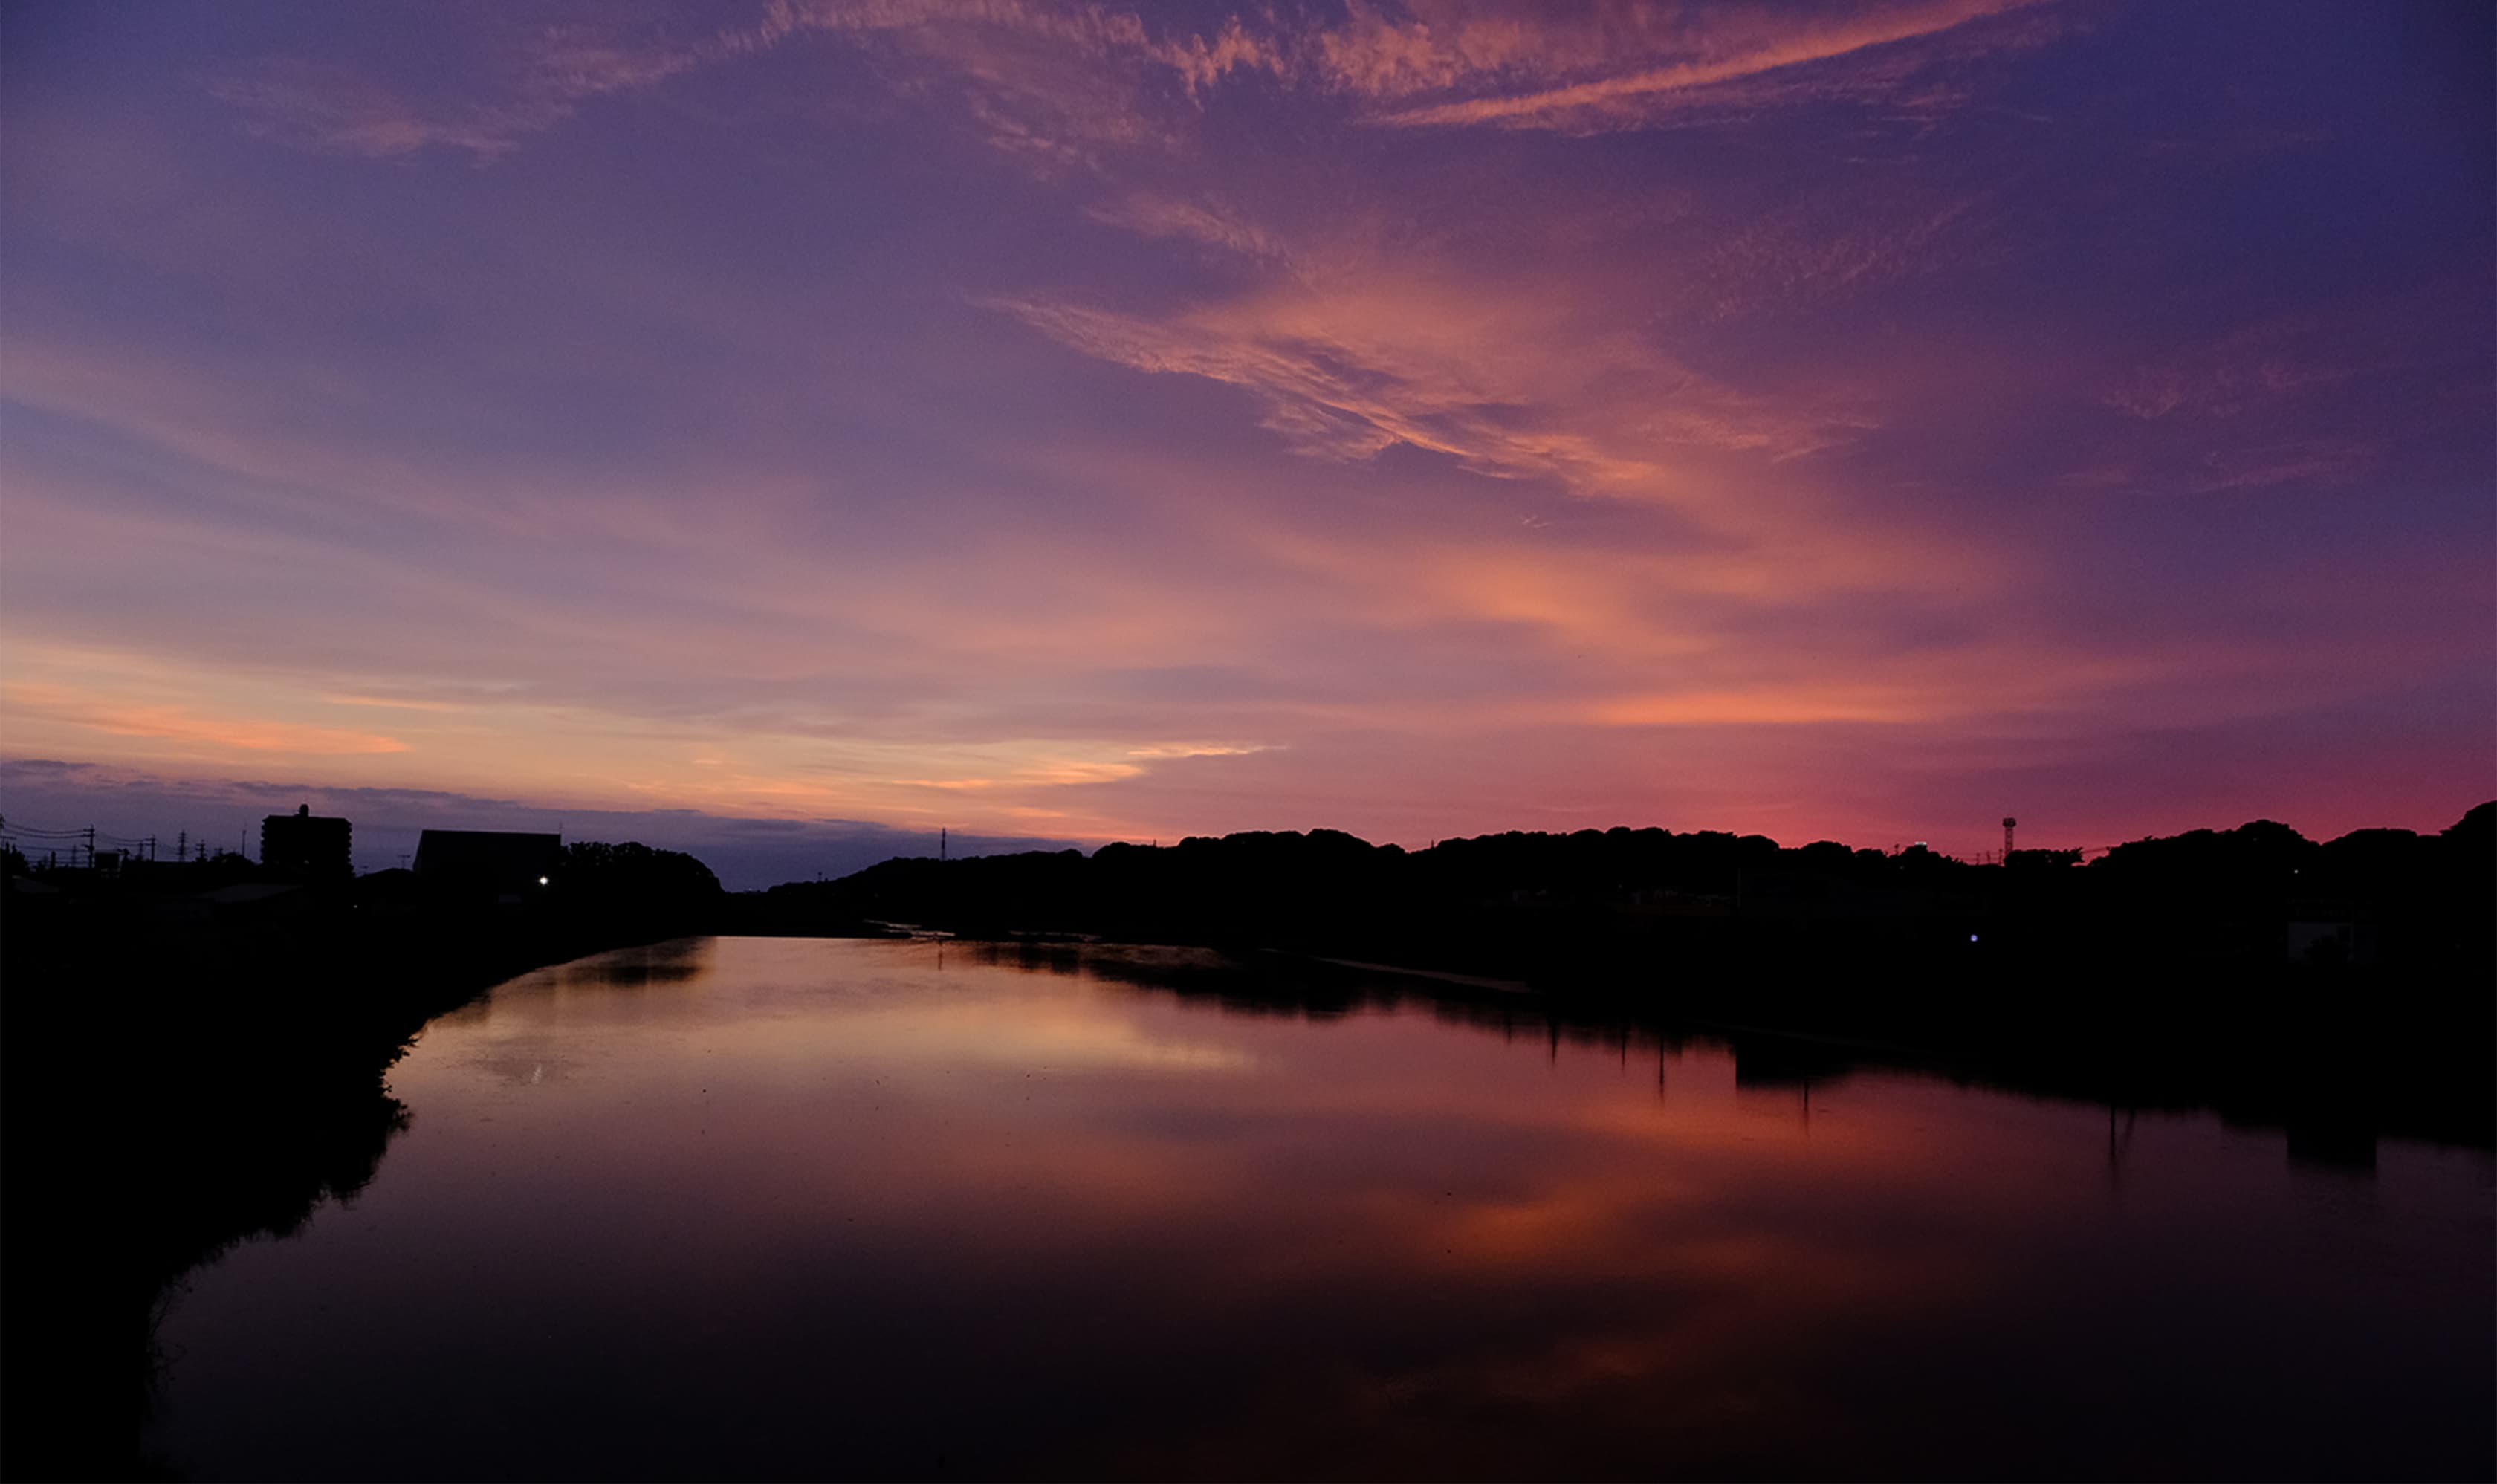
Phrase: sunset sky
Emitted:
{"points": [[861, 416]]}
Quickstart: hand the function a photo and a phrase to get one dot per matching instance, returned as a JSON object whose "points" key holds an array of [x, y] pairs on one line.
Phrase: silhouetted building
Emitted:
{"points": [[304, 846], [508, 864]]}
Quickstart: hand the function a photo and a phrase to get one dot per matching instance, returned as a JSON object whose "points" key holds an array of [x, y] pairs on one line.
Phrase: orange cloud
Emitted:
{"points": [[175, 723]]}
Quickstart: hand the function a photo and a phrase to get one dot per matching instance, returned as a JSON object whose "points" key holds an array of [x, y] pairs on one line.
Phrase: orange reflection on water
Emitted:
{"points": [[1145, 1217]]}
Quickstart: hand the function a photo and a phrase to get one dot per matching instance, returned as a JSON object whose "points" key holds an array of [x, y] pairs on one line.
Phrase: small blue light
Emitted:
{"points": [[1972, 937]]}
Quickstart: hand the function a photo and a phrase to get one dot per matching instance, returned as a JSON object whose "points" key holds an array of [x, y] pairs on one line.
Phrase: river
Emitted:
{"points": [[820, 1208]]}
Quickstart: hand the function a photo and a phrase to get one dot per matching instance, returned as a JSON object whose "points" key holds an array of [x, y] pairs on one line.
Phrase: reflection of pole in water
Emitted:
{"points": [[1553, 1023], [2117, 1147]]}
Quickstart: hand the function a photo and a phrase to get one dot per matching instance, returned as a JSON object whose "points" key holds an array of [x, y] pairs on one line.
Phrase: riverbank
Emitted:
{"points": [[176, 1084]]}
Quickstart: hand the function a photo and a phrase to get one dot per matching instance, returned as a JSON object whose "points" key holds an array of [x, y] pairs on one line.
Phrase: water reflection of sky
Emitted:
{"points": [[816, 1208]]}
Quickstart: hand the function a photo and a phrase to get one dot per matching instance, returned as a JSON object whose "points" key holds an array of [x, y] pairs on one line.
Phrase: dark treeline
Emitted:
{"points": [[194, 1053], [1554, 908]]}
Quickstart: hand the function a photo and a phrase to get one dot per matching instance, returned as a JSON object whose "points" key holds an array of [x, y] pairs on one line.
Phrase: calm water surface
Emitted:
{"points": [[750, 1208]]}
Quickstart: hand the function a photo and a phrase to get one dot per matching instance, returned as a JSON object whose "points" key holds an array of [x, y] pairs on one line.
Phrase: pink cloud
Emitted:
{"points": [[1725, 46]]}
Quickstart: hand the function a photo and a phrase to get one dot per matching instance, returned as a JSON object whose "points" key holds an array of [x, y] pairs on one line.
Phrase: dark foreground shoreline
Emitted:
{"points": [[176, 1088]]}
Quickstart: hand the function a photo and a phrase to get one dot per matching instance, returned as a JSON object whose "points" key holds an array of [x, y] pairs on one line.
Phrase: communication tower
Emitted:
{"points": [[2007, 822]]}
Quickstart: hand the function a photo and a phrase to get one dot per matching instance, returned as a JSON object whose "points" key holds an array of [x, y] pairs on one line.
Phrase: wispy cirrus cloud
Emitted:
{"points": [[532, 85], [2318, 401], [1506, 385], [333, 108], [2260, 366], [1060, 81], [1628, 71], [1210, 223], [2298, 361], [2308, 461], [1037, 78]]}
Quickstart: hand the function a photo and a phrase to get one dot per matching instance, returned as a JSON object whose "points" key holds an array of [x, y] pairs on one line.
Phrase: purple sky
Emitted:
{"points": [[1060, 421]]}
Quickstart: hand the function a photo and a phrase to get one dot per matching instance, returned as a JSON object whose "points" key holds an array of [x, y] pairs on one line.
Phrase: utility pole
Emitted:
{"points": [[90, 847], [182, 846]]}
